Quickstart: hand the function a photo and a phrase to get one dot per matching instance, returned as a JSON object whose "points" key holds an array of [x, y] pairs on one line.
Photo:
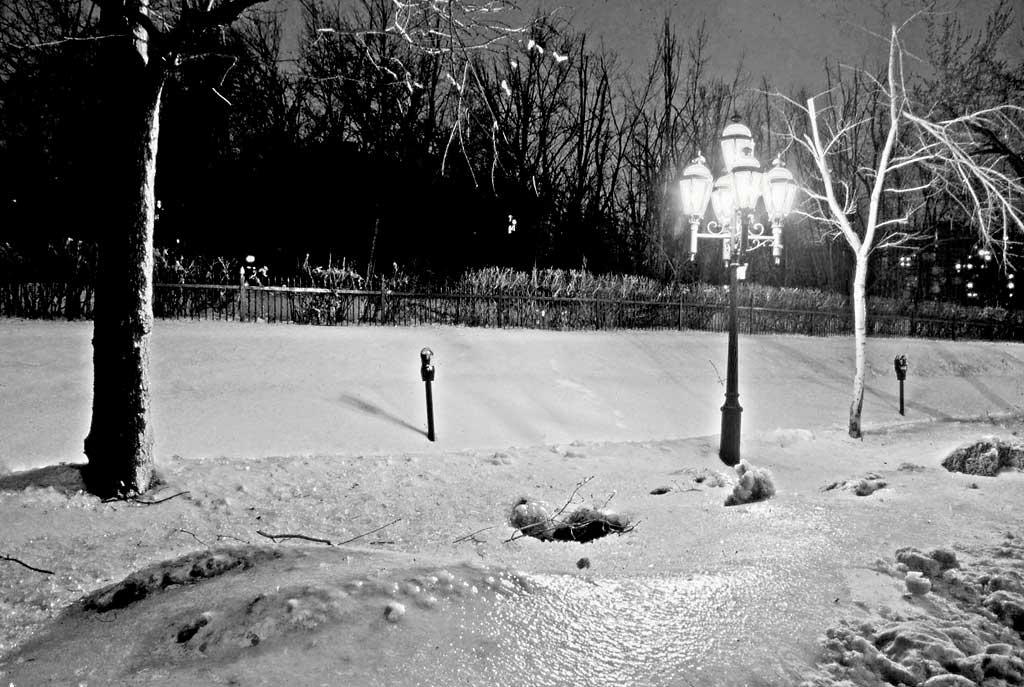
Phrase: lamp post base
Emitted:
{"points": [[729, 446]]}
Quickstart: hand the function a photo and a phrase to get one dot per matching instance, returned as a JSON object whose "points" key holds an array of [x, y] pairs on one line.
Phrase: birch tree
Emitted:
{"points": [[872, 167]]}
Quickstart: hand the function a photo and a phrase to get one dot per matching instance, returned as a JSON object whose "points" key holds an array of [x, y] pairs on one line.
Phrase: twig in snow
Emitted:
{"points": [[12, 559], [472, 535], [572, 496], [275, 537], [143, 501], [721, 382], [360, 536], [537, 526], [191, 534], [220, 537], [629, 528]]}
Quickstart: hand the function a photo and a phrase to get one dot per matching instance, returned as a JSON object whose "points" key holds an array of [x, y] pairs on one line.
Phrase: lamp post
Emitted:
{"points": [[734, 196]]}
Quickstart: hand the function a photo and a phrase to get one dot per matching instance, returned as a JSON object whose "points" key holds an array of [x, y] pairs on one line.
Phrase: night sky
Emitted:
{"points": [[786, 39]]}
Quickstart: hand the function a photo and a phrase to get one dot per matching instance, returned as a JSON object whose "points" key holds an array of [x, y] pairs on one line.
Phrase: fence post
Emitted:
{"points": [[242, 305], [750, 312], [380, 310]]}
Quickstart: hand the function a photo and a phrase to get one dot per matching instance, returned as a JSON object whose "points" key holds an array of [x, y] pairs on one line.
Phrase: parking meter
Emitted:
{"points": [[427, 375], [426, 367], [899, 364]]}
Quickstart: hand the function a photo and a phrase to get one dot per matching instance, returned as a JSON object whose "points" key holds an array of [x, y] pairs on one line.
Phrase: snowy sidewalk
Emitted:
{"points": [[263, 390]]}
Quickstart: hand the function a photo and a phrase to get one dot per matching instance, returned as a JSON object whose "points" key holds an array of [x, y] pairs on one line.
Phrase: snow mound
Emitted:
{"points": [[585, 523], [755, 484], [986, 457], [787, 437], [961, 629], [263, 612]]}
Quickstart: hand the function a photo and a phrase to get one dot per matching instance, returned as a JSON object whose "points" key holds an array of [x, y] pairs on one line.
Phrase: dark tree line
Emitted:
{"points": [[375, 134]]}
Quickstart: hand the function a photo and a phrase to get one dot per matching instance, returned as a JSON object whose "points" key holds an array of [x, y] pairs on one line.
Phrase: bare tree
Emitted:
{"points": [[874, 162], [670, 114], [138, 46]]}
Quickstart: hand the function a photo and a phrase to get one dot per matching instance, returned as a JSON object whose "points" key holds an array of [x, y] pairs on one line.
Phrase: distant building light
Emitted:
{"points": [[1009, 286], [985, 254], [970, 284]]}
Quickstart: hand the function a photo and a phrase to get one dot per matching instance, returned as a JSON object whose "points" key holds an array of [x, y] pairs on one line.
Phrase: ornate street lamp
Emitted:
{"points": [[779, 194], [733, 197]]}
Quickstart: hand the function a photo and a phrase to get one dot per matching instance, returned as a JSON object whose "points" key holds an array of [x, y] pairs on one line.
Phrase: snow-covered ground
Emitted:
{"points": [[696, 594], [243, 390]]}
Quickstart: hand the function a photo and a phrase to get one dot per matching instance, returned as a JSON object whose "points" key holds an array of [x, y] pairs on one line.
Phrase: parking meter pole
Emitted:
{"points": [[427, 374], [729, 446], [899, 364], [430, 413]]}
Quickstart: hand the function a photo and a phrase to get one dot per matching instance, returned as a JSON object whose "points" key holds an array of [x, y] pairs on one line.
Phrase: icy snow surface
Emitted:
{"points": [[697, 594]]}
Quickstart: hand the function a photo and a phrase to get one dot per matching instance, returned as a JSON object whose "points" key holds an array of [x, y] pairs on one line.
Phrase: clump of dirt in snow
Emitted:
{"points": [[585, 523], [705, 477], [755, 484], [986, 457], [963, 629], [863, 486], [185, 570]]}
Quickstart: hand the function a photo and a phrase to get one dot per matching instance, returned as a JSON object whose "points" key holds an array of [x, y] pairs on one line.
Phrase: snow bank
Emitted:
{"points": [[963, 629]]}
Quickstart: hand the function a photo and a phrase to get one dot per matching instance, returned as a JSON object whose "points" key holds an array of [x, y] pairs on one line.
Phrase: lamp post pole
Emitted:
{"points": [[734, 197], [729, 444]]}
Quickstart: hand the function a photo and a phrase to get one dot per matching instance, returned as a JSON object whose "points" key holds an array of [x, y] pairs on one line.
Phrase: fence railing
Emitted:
{"points": [[304, 305]]}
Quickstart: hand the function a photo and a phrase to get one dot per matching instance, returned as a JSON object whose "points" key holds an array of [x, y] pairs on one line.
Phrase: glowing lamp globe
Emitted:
{"points": [[723, 199], [747, 182], [737, 142], [695, 188], [779, 191]]}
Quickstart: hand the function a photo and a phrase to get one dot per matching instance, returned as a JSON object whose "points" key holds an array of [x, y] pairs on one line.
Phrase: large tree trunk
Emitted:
{"points": [[120, 442], [860, 318]]}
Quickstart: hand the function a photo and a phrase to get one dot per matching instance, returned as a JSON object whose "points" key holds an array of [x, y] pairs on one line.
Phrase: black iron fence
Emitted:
{"points": [[298, 305]]}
